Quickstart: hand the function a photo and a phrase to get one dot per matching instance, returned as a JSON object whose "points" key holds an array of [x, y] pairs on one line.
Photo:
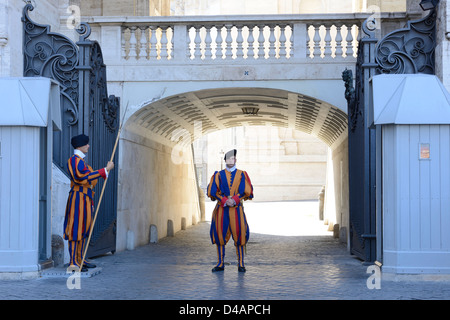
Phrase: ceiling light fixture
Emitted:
{"points": [[253, 111]]}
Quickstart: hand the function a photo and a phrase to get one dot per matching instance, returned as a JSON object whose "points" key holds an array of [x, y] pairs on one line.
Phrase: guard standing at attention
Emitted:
{"points": [[80, 207], [230, 187]]}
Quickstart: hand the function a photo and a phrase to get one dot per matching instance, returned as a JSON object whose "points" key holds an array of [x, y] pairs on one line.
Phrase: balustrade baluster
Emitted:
{"points": [[153, 55], [317, 52], [349, 40], [208, 40], [282, 51], [143, 43], [327, 47], [132, 53], [228, 43], [219, 40], [338, 53], [251, 43], [239, 41], [261, 40], [197, 42], [272, 40], [163, 51]]}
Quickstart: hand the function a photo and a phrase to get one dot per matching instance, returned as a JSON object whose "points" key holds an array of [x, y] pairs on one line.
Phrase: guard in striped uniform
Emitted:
{"points": [[80, 208], [230, 187]]}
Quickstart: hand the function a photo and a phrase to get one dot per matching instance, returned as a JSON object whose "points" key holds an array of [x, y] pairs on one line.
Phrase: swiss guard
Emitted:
{"points": [[230, 187], [80, 208]]}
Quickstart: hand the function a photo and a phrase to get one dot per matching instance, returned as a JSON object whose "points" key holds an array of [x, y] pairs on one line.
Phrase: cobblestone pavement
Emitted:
{"points": [[309, 266]]}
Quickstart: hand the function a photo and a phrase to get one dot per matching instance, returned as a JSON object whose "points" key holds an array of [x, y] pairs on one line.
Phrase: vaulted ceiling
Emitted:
{"points": [[206, 111]]}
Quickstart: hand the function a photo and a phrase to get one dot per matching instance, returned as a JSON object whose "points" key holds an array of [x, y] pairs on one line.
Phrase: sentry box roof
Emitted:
{"points": [[408, 99], [28, 101]]}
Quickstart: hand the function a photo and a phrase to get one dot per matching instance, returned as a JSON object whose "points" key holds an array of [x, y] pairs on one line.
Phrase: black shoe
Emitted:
{"points": [[89, 265], [241, 269], [216, 269]]}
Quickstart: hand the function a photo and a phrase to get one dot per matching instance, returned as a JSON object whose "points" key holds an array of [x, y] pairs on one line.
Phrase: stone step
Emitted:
{"points": [[62, 272]]}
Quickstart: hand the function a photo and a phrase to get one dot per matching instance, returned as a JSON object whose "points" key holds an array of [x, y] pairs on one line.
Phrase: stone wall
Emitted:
{"points": [[60, 192], [336, 206], [153, 189]]}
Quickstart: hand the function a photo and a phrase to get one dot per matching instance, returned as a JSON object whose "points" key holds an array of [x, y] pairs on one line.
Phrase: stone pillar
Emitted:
{"points": [[153, 234], [130, 240], [442, 54], [57, 250], [170, 229], [321, 202]]}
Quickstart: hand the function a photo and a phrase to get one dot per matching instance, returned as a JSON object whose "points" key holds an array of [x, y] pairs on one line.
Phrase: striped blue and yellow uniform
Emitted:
{"points": [[79, 208], [228, 221]]}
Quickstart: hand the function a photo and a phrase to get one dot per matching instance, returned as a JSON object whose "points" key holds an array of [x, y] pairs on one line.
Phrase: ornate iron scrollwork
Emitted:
{"points": [[98, 94], [350, 96], [355, 95], [52, 55], [409, 50], [110, 114]]}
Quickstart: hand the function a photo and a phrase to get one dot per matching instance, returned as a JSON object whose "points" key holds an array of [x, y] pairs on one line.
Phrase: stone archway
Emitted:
{"points": [[157, 178]]}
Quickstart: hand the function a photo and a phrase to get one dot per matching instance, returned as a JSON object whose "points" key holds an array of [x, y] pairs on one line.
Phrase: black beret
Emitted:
{"points": [[79, 141], [230, 154]]}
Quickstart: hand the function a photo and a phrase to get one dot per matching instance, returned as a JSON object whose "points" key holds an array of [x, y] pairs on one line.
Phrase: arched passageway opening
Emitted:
{"points": [[287, 168], [159, 189]]}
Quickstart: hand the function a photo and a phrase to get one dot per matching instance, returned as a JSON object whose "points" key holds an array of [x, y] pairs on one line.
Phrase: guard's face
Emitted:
{"points": [[231, 161], [84, 148]]}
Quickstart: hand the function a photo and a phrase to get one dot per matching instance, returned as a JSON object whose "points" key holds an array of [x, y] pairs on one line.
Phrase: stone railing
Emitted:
{"points": [[224, 39]]}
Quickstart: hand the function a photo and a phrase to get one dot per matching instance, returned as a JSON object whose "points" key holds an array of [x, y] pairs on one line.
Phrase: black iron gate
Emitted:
{"points": [[403, 51], [103, 115], [85, 108], [361, 150]]}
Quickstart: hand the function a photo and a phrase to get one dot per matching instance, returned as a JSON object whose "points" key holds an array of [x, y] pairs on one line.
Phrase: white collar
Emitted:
{"points": [[79, 153], [231, 169]]}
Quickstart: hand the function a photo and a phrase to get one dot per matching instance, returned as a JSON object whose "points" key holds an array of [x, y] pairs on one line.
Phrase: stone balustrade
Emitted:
{"points": [[246, 40], [224, 39], [218, 48]]}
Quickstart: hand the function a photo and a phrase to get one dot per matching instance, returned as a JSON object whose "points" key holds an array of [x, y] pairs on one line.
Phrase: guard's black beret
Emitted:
{"points": [[79, 141], [230, 154]]}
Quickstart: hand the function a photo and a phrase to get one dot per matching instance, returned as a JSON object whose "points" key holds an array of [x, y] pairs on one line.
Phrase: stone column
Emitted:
{"points": [[442, 54]]}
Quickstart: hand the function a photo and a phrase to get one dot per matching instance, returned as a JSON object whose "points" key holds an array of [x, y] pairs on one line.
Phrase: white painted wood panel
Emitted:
{"points": [[445, 186], [388, 184], [19, 198], [416, 199], [435, 189]]}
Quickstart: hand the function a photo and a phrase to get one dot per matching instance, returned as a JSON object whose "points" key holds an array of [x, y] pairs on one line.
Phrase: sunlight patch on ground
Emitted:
{"points": [[284, 218]]}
